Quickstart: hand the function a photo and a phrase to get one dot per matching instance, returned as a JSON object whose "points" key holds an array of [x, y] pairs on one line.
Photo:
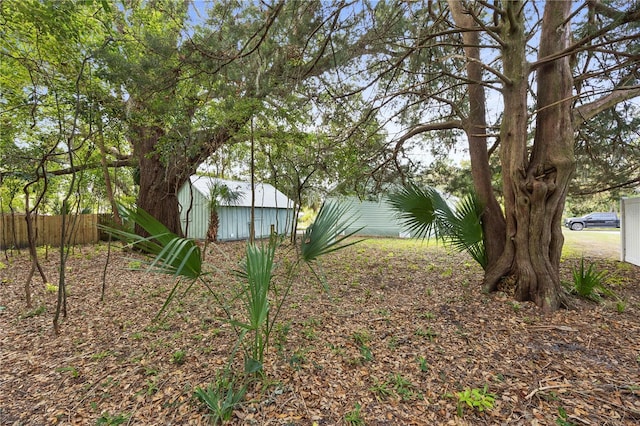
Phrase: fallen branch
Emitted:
{"points": [[553, 327], [544, 388]]}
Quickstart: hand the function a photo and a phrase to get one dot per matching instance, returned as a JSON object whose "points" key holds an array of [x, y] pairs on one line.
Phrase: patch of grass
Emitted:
{"points": [[337, 350], [428, 333], [134, 265], [447, 273], [383, 312], [624, 266], [365, 353], [393, 343], [397, 384], [151, 371], [34, 312], [563, 418], [298, 358], [403, 387], [381, 389], [70, 369], [428, 315], [179, 357], [281, 333], [107, 419], [308, 330], [101, 355], [361, 337], [354, 417], [423, 365], [159, 326], [151, 387]]}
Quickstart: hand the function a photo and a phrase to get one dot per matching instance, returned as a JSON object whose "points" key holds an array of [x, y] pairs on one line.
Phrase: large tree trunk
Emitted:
{"points": [[159, 183], [475, 127], [535, 185]]}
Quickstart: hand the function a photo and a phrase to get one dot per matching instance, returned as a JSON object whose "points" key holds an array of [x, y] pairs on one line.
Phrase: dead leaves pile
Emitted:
{"points": [[403, 331]]}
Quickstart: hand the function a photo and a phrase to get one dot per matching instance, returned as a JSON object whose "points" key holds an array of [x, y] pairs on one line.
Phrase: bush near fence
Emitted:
{"points": [[83, 229]]}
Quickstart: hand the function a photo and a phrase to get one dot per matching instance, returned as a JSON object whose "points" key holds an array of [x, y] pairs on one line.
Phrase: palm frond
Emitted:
{"points": [[328, 232], [418, 209], [466, 229], [172, 254], [426, 213], [221, 195], [258, 269]]}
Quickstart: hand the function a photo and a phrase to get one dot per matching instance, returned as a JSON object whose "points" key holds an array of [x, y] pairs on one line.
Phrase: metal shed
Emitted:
{"points": [[376, 218], [272, 209]]}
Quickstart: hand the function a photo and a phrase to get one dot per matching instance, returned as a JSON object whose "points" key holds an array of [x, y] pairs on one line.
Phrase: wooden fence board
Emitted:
{"points": [[81, 229]]}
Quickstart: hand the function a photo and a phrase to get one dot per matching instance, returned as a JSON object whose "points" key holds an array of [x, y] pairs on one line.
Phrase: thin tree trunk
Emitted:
{"points": [[475, 127], [27, 284], [107, 176], [104, 271], [61, 304], [33, 252], [214, 223], [252, 225], [513, 139]]}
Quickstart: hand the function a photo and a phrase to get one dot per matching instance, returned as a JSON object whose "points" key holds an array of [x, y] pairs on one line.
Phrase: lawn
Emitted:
{"points": [[404, 336], [604, 242]]}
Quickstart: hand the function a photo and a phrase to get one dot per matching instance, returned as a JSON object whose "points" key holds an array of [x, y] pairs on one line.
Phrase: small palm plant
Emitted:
{"points": [[427, 214], [588, 282], [182, 258]]}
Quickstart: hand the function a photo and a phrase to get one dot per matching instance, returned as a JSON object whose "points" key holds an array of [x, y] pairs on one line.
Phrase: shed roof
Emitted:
{"points": [[266, 195]]}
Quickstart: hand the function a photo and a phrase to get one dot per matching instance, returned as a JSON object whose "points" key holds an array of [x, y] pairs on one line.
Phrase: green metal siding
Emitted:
{"points": [[234, 222], [376, 218], [196, 212]]}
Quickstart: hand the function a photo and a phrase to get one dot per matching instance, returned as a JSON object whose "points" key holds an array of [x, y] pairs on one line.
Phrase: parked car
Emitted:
{"points": [[593, 220]]}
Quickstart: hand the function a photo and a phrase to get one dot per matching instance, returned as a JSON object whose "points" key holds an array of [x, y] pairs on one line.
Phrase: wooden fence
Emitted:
{"points": [[83, 229]]}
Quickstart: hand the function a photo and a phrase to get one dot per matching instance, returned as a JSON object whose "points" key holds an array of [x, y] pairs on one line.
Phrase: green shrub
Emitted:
{"points": [[478, 399], [587, 282]]}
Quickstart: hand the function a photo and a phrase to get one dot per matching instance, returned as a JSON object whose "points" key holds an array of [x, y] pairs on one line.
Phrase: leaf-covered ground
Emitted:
{"points": [[402, 333]]}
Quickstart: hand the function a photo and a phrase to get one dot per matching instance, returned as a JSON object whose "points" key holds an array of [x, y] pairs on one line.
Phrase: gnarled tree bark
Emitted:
{"points": [[535, 184]]}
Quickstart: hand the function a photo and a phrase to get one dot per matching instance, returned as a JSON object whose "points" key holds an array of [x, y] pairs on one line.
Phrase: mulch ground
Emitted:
{"points": [[402, 333]]}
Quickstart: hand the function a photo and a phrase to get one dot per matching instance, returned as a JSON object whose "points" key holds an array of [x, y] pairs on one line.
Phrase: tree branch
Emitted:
{"points": [[586, 112], [628, 184], [627, 17], [90, 166], [423, 128]]}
